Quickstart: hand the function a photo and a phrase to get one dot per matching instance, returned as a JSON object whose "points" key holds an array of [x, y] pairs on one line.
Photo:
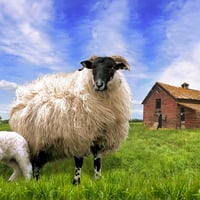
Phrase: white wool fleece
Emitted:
{"points": [[14, 152]]}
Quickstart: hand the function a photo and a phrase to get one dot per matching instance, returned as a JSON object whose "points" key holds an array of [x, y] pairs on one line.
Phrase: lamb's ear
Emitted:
{"points": [[86, 64]]}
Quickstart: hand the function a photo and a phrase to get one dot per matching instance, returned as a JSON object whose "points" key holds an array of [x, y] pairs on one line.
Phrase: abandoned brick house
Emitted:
{"points": [[167, 106]]}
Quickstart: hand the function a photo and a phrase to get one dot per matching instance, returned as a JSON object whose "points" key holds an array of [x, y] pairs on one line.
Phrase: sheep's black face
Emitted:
{"points": [[103, 69]]}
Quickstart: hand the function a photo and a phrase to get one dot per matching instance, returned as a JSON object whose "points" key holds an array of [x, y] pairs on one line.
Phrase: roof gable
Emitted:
{"points": [[176, 92], [180, 92]]}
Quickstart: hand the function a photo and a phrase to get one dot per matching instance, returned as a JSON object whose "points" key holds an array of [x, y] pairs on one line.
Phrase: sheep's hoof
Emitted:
{"points": [[37, 177], [76, 181], [97, 175]]}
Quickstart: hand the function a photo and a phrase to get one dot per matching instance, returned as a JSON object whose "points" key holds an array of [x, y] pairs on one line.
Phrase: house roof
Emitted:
{"points": [[191, 106], [179, 93]]}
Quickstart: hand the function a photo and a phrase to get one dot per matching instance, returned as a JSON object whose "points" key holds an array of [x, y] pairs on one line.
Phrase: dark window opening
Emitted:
{"points": [[158, 104]]}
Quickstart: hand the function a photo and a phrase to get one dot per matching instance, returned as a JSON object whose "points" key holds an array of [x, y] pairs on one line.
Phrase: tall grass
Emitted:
{"points": [[151, 164]]}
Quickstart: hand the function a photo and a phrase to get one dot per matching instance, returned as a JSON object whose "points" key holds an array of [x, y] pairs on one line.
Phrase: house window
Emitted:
{"points": [[182, 112], [158, 104]]}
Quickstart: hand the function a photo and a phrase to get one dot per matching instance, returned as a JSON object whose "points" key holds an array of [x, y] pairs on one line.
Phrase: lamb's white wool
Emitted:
{"points": [[62, 114], [14, 152]]}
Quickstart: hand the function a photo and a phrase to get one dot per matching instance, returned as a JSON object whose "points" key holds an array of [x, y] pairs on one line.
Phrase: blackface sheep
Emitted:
{"points": [[75, 114], [14, 152]]}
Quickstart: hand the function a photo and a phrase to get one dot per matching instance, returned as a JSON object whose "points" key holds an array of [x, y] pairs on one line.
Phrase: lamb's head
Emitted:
{"points": [[103, 69]]}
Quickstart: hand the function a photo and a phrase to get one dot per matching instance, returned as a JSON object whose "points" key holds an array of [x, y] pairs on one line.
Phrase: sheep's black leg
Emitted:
{"points": [[97, 161], [97, 166], [36, 172], [38, 162], [78, 166]]}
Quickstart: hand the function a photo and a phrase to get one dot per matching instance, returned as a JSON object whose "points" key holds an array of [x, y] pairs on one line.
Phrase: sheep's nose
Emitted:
{"points": [[99, 85]]}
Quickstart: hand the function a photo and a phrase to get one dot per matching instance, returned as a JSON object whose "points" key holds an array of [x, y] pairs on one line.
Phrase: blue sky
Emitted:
{"points": [[160, 40]]}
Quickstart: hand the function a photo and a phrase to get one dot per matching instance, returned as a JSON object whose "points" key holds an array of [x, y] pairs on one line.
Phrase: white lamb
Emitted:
{"points": [[14, 152]]}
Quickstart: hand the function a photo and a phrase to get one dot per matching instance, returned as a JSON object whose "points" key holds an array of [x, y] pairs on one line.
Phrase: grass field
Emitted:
{"points": [[151, 164]]}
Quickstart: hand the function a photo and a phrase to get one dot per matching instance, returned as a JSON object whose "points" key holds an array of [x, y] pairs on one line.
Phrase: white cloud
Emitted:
{"points": [[182, 46], [6, 85], [136, 102], [109, 30], [24, 31], [181, 71], [137, 111], [4, 110], [106, 33]]}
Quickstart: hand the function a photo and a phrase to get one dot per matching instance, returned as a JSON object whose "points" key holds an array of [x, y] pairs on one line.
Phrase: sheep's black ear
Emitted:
{"points": [[120, 65], [86, 64]]}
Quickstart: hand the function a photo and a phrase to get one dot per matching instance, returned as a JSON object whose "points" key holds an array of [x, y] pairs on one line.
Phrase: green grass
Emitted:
{"points": [[4, 126], [151, 164]]}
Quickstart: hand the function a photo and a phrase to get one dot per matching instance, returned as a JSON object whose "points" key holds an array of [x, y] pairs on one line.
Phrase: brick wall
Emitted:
{"points": [[192, 119], [168, 109]]}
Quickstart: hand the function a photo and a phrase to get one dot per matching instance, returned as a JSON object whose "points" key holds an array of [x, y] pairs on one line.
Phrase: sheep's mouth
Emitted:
{"points": [[100, 86], [101, 89]]}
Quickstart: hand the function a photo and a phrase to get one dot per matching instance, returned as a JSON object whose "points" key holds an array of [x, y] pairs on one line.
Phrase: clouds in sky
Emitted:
{"points": [[5, 107], [184, 68], [25, 32], [182, 46], [107, 33], [160, 39], [5, 85]]}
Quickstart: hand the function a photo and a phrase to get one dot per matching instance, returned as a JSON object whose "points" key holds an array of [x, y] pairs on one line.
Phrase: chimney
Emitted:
{"points": [[185, 85]]}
